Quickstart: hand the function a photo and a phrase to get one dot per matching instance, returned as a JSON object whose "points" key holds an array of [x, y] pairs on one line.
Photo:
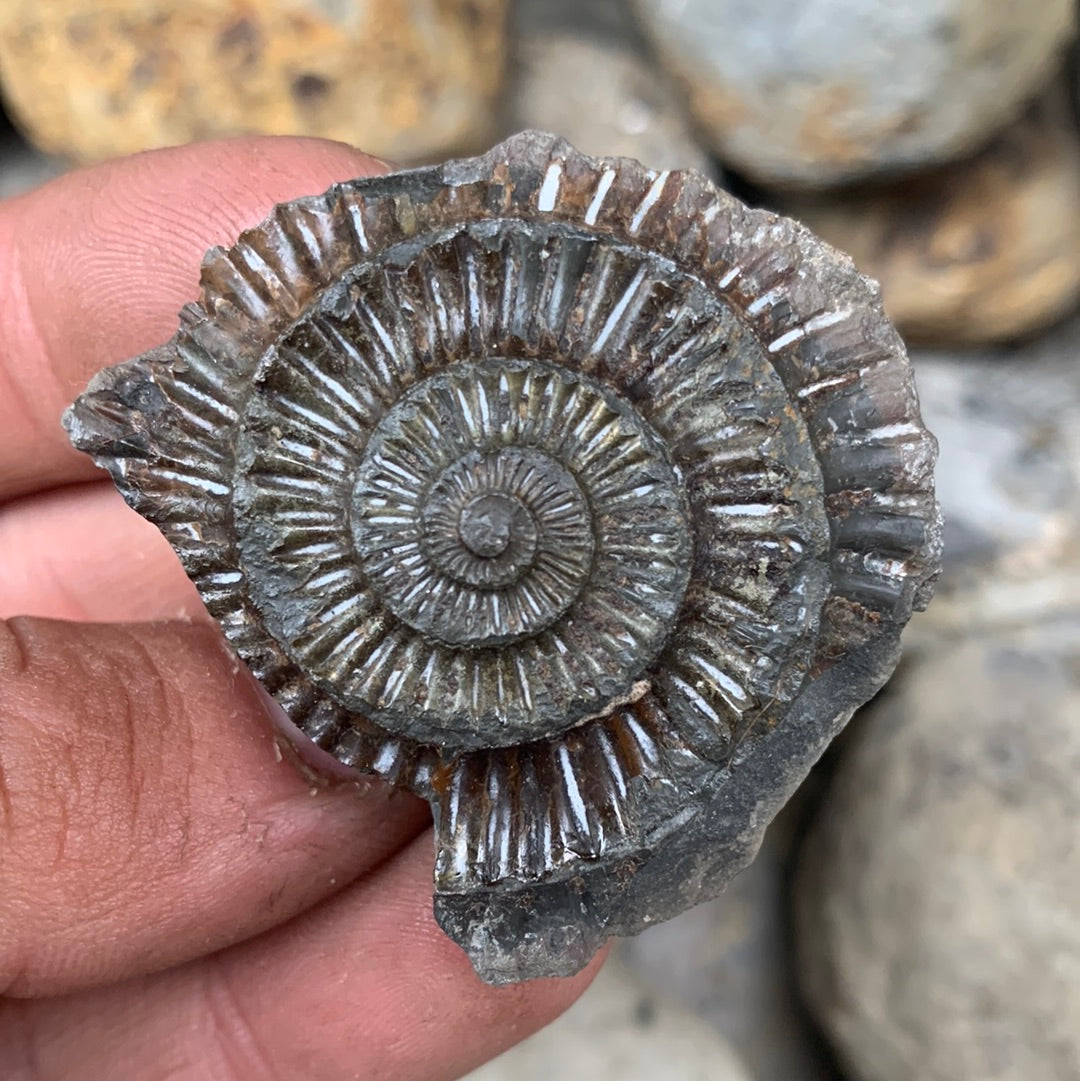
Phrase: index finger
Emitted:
{"points": [[95, 266]]}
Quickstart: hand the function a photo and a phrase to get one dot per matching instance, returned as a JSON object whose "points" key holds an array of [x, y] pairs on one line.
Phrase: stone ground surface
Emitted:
{"points": [[939, 935], [727, 960], [620, 1031], [1007, 420]]}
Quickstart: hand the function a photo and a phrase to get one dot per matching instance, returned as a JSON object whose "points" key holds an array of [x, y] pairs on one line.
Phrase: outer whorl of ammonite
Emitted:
{"points": [[575, 497]]}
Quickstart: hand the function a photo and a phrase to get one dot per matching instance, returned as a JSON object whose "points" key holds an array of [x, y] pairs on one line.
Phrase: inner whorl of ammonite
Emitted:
{"points": [[504, 505], [470, 509], [482, 533], [497, 497]]}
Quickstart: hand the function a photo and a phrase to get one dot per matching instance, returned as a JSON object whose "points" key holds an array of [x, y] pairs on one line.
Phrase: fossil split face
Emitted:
{"points": [[579, 499]]}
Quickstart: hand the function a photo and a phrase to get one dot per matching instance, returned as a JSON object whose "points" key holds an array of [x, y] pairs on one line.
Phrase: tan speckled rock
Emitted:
{"points": [[981, 251], [405, 79]]}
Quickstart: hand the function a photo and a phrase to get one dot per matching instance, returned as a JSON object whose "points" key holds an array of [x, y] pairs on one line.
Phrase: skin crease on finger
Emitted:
{"points": [[145, 820], [95, 266], [365, 987], [145, 817]]}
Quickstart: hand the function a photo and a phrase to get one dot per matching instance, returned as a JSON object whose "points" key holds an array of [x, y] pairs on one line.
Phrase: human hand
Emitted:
{"points": [[176, 901]]}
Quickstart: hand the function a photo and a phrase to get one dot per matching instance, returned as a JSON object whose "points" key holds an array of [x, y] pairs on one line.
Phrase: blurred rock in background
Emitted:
{"points": [[1008, 477], [605, 20], [729, 961], [581, 69], [21, 166], [1073, 76], [939, 890], [820, 92], [603, 98], [620, 1031], [407, 80], [981, 250], [940, 923]]}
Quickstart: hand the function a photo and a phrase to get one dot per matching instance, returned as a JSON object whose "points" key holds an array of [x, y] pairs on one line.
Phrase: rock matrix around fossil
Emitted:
{"points": [[406, 79], [819, 92], [573, 496], [983, 250]]}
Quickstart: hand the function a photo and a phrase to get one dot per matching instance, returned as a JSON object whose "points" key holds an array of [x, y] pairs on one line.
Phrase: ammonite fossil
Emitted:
{"points": [[578, 498]]}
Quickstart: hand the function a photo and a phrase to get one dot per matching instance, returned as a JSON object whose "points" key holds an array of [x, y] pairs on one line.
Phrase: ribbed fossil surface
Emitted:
{"points": [[577, 498]]}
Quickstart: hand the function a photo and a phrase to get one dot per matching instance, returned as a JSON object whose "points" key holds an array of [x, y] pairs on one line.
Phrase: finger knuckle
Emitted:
{"points": [[231, 1037]]}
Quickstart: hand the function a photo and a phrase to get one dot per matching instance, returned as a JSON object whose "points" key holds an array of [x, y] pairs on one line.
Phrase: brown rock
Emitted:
{"points": [[980, 251], [405, 79]]}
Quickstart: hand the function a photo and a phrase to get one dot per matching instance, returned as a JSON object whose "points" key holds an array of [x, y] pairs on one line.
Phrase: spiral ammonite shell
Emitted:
{"points": [[578, 498]]}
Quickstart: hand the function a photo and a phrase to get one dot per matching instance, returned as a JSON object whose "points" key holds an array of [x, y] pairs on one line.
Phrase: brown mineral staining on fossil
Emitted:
{"points": [[575, 497]]}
